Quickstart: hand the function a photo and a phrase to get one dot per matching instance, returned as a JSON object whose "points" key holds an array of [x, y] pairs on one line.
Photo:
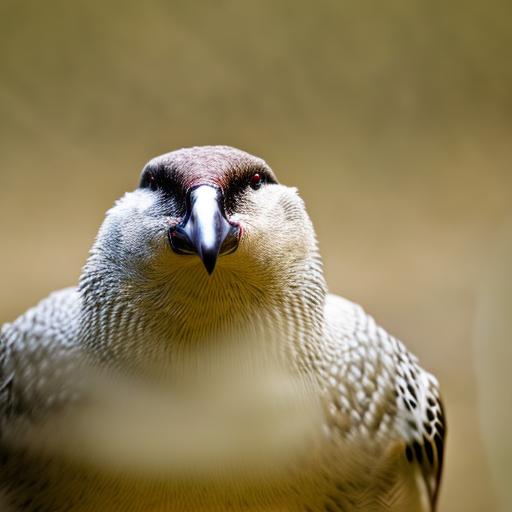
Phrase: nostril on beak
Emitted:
{"points": [[230, 244], [180, 242]]}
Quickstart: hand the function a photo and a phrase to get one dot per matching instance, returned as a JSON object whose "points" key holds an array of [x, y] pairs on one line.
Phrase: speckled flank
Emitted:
{"points": [[139, 306]]}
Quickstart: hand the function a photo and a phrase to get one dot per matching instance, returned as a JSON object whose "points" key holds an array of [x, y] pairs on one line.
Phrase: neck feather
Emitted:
{"points": [[157, 319]]}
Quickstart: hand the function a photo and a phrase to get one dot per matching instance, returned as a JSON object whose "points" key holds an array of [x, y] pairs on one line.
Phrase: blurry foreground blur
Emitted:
{"points": [[493, 351], [223, 412]]}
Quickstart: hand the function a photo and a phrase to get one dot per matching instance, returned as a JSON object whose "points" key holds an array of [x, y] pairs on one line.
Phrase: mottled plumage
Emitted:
{"points": [[145, 304]]}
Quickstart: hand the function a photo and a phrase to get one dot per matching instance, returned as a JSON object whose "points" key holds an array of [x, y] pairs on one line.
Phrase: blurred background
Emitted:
{"points": [[393, 118]]}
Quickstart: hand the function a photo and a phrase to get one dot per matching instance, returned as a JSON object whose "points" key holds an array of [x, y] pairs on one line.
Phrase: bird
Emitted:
{"points": [[212, 255]]}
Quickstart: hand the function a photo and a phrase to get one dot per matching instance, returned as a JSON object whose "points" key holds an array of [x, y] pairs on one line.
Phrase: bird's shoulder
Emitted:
{"points": [[49, 321], [31, 343], [380, 384]]}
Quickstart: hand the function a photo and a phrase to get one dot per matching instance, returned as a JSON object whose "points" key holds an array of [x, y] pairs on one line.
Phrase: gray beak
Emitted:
{"points": [[205, 230]]}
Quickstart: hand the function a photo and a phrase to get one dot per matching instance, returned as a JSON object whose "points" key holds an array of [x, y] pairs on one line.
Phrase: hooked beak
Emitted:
{"points": [[205, 230]]}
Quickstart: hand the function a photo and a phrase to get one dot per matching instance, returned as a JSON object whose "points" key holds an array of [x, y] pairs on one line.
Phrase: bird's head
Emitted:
{"points": [[209, 243], [205, 213]]}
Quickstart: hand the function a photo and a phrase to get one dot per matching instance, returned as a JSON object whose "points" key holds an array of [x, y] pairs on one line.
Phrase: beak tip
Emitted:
{"points": [[209, 260], [210, 270]]}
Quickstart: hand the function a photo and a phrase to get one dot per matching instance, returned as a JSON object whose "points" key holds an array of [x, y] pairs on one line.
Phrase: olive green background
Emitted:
{"points": [[392, 117]]}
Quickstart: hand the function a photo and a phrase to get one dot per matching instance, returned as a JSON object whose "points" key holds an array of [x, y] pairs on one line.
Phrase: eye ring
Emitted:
{"points": [[256, 181]]}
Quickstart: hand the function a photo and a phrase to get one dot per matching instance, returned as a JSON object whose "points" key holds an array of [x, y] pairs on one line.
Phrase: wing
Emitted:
{"points": [[406, 401], [424, 425]]}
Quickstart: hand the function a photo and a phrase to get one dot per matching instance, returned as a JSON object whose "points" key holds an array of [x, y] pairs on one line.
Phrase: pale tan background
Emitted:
{"points": [[393, 118]]}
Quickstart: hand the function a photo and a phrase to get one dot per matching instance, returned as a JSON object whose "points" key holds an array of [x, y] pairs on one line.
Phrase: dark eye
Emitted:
{"points": [[155, 180], [149, 180], [256, 181], [152, 183]]}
